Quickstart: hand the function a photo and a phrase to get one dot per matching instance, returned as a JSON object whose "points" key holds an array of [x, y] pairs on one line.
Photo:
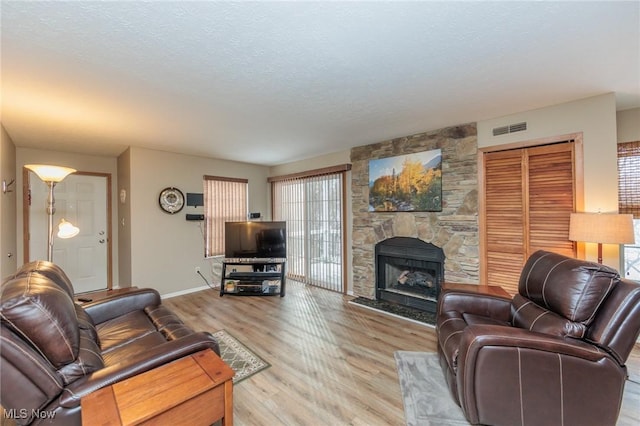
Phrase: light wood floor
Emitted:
{"points": [[331, 362]]}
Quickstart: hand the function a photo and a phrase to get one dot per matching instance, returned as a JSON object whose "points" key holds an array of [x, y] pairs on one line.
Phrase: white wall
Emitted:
{"points": [[8, 229], [165, 249], [628, 125], [595, 118], [81, 162]]}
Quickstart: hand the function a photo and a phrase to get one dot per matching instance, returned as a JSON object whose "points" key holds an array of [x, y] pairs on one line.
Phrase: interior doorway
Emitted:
{"points": [[84, 199]]}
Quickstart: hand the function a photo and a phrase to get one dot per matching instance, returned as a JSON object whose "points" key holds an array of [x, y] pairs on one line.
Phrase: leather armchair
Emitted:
{"points": [[554, 354], [55, 351]]}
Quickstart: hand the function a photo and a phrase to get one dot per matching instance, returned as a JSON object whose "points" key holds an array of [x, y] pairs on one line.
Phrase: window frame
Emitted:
{"points": [[628, 158]]}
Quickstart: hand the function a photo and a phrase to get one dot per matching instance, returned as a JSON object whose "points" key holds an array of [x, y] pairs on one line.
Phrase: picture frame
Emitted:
{"points": [[406, 183]]}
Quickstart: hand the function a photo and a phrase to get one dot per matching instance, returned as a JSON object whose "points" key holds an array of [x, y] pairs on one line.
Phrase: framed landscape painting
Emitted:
{"points": [[406, 183]]}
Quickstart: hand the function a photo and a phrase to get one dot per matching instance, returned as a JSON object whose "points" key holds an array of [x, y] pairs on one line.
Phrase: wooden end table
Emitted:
{"points": [[492, 290], [194, 390]]}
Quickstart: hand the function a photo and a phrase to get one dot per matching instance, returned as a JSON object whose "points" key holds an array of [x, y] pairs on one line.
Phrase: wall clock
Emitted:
{"points": [[171, 200]]}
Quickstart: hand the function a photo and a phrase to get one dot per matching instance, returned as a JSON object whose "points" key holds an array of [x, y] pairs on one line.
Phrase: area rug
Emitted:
{"points": [[242, 360], [396, 310], [427, 401], [425, 395]]}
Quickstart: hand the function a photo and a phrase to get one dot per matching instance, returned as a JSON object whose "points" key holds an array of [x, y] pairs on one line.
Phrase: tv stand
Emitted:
{"points": [[253, 277]]}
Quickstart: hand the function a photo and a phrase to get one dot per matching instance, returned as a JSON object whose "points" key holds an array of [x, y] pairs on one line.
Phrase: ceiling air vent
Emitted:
{"points": [[500, 130], [518, 127], [511, 128]]}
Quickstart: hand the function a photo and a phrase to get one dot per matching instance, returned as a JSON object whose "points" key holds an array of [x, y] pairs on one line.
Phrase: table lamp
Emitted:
{"points": [[601, 228]]}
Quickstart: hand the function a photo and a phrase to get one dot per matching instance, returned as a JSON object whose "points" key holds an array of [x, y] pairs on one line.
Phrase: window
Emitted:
{"points": [[225, 200], [312, 205], [629, 202]]}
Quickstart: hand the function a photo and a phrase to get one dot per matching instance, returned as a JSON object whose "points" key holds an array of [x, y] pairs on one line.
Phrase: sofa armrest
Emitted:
{"points": [[475, 337], [486, 305], [498, 367], [148, 360], [120, 304]]}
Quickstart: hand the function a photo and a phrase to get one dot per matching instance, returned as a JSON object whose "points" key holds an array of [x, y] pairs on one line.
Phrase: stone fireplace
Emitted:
{"points": [[409, 272], [454, 230]]}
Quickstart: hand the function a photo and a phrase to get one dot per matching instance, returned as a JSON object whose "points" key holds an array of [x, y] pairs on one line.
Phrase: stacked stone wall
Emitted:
{"points": [[454, 229]]}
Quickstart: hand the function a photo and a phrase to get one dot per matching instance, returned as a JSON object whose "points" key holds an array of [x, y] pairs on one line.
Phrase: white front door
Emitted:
{"points": [[82, 200]]}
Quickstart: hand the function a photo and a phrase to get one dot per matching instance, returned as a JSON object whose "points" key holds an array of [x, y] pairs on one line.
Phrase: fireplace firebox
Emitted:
{"points": [[409, 272]]}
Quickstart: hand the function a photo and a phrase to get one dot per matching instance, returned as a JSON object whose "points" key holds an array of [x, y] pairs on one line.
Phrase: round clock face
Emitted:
{"points": [[171, 200]]}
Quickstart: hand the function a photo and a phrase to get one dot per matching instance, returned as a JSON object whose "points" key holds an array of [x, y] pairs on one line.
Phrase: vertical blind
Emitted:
{"points": [[225, 200], [629, 178], [312, 206]]}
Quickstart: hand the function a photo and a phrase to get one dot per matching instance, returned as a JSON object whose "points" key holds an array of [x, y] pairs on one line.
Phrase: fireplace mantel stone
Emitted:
{"points": [[455, 228]]}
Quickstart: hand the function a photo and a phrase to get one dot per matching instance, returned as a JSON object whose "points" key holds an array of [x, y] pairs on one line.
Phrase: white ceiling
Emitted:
{"points": [[273, 82]]}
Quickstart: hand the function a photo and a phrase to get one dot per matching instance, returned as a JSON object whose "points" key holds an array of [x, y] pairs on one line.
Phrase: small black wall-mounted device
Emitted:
{"points": [[254, 215], [195, 217], [195, 199]]}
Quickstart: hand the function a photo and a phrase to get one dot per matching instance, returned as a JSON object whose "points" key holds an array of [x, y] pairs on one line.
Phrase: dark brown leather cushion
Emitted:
{"points": [[44, 314], [532, 317], [85, 322], [614, 325], [126, 336], [88, 360], [49, 270], [167, 322], [569, 287], [124, 329]]}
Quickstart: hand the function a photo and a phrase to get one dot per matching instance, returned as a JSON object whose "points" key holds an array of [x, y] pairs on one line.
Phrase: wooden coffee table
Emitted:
{"points": [[194, 390]]}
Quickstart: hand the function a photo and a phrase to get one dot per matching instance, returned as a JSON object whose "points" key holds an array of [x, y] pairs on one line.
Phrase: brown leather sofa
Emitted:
{"points": [[553, 355], [55, 351]]}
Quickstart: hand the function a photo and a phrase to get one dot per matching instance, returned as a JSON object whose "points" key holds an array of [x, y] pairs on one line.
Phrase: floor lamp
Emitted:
{"points": [[601, 228], [51, 175]]}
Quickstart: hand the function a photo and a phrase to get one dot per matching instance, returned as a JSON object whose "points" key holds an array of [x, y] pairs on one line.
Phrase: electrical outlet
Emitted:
{"points": [[197, 269]]}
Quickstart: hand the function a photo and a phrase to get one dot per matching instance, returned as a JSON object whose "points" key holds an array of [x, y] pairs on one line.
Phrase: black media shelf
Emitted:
{"points": [[267, 277]]}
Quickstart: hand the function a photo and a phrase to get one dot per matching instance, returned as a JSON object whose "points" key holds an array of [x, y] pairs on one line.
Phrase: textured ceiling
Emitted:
{"points": [[273, 82]]}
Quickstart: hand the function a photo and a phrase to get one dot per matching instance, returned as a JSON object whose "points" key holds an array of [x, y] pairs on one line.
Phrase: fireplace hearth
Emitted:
{"points": [[409, 272]]}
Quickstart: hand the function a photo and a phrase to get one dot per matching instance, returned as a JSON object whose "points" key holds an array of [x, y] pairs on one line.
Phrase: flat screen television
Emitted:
{"points": [[255, 240]]}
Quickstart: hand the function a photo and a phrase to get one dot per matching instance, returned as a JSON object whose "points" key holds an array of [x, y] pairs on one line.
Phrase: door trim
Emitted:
{"points": [[25, 219]]}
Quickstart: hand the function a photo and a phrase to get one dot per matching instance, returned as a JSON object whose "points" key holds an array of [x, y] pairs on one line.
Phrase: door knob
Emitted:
{"points": [[101, 241]]}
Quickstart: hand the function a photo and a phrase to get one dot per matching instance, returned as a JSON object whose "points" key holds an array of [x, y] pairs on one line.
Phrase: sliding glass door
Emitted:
{"points": [[312, 206]]}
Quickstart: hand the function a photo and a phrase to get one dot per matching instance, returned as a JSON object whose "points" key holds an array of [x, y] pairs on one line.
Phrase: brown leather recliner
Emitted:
{"points": [[55, 351], [553, 355]]}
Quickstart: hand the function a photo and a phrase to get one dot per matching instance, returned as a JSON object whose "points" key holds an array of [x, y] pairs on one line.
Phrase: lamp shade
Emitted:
{"points": [[50, 173], [604, 228], [67, 230]]}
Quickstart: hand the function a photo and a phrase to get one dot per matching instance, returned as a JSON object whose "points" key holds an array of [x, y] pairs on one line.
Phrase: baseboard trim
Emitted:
{"points": [[183, 292]]}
